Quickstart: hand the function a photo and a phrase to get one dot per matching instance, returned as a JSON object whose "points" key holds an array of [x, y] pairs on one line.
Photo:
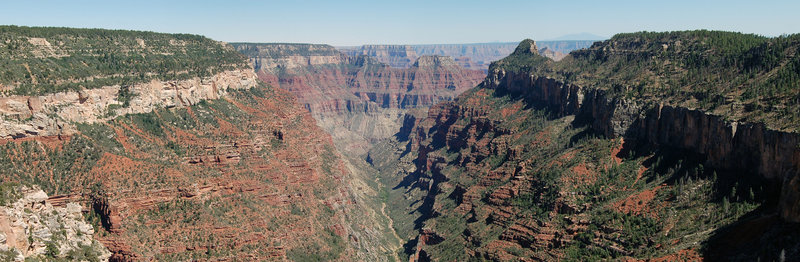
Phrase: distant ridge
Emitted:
{"points": [[579, 36], [468, 55]]}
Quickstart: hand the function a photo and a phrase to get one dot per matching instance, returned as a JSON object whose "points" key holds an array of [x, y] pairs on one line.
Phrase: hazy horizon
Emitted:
{"points": [[353, 23]]}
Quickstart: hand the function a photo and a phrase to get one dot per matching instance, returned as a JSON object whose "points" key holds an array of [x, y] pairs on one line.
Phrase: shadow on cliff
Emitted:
{"points": [[758, 235], [528, 98]]}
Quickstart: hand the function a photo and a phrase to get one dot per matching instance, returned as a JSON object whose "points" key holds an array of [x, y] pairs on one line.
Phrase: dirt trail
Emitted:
{"points": [[391, 222]]}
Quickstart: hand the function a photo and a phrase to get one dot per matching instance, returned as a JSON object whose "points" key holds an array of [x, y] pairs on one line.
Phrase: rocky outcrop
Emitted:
{"points": [[32, 228], [434, 61], [526, 47], [55, 114], [451, 179], [552, 54]]}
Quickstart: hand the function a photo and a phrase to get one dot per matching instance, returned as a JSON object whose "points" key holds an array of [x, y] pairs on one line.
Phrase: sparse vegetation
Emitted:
{"points": [[9, 193]]}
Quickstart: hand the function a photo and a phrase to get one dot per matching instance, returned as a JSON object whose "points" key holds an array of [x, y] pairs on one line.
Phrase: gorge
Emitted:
{"points": [[647, 146], [570, 160], [547, 160], [357, 99]]}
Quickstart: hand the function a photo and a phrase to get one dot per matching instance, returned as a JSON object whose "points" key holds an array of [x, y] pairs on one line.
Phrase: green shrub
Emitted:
{"points": [[9, 193]]}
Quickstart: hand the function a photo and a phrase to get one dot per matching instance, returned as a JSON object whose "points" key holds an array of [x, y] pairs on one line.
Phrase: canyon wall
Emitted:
{"points": [[775, 155], [358, 99], [397, 56], [550, 160], [210, 180]]}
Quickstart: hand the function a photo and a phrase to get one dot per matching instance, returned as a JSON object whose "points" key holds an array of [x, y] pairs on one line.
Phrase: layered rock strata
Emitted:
{"points": [[356, 99], [397, 56]]}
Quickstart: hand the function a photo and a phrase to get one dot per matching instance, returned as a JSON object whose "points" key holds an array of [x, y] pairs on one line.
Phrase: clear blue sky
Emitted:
{"points": [[406, 21]]}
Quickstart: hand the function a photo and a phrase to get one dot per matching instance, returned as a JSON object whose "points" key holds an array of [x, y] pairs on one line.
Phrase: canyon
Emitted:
{"points": [[646, 146], [362, 95], [532, 165], [357, 99], [545, 161]]}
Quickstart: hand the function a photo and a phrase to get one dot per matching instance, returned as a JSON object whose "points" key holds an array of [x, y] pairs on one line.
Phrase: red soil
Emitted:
{"points": [[638, 204]]}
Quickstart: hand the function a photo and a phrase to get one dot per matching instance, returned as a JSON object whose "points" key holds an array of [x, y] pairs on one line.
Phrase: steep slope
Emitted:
{"points": [[601, 155], [356, 99], [192, 163]]}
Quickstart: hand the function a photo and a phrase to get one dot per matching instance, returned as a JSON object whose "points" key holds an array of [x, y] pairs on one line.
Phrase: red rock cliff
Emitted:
{"points": [[357, 99]]}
